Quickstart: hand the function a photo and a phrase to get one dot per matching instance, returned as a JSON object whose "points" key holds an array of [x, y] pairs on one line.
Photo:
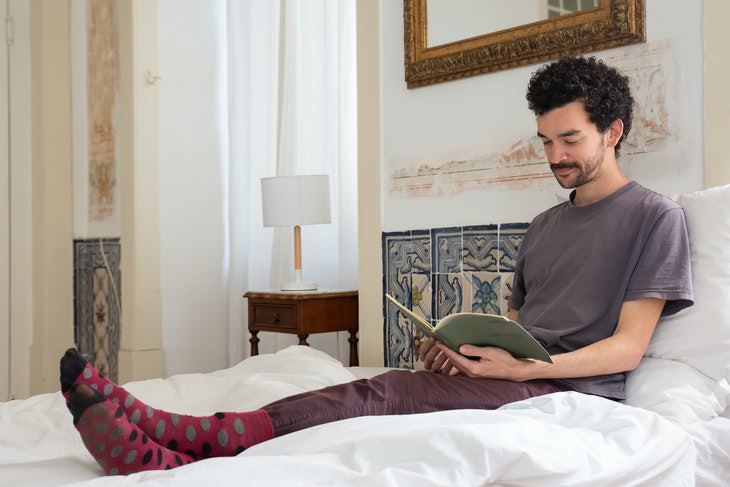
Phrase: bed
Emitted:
{"points": [[673, 428]]}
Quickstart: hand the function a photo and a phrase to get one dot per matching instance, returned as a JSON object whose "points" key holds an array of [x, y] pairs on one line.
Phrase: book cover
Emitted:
{"points": [[482, 330]]}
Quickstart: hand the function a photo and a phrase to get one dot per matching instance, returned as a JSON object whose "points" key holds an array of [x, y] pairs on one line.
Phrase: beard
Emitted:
{"points": [[585, 172]]}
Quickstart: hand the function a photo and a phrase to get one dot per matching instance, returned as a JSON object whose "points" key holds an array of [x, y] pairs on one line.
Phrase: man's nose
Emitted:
{"points": [[556, 153]]}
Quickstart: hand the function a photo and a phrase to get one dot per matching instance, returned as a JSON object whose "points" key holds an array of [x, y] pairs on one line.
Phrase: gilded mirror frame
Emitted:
{"points": [[613, 23]]}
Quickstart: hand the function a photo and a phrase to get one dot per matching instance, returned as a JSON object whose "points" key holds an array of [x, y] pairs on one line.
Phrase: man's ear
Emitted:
{"points": [[614, 132]]}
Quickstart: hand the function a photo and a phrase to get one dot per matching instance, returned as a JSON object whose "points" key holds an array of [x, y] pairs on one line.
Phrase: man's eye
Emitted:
{"points": [[571, 142], [546, 142]]}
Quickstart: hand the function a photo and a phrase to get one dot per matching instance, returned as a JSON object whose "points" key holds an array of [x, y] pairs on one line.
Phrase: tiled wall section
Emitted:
{"points": [[442, 271], [97, 302]]}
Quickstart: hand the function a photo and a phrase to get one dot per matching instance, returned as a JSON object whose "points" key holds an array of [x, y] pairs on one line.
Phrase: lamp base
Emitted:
{"points": [[299, 286]]}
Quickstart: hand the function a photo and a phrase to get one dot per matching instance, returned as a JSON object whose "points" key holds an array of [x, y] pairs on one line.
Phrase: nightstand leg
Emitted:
{"points": [[254, 343], [303, 339], [354, 359]]}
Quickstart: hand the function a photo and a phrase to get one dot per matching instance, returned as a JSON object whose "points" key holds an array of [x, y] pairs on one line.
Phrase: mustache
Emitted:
{"points": [[564, 165]]}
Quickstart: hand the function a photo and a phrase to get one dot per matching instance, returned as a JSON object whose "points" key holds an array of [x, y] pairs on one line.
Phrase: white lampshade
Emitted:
{"points": [[295, 200]]}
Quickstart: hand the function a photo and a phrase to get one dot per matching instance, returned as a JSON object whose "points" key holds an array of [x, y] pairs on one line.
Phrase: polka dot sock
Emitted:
{"points": [[222, 434], [119, 446]]}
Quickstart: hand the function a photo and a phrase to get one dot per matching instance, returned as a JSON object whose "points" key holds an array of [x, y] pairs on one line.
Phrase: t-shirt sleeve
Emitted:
{"points": [[663, 270]]}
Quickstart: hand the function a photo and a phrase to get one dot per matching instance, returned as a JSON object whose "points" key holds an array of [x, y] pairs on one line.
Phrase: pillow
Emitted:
{"points": [[700, 335], [675, 390]]}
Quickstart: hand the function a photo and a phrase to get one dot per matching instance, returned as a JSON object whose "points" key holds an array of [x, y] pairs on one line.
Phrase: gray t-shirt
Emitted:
{"points": [[578, 264]]}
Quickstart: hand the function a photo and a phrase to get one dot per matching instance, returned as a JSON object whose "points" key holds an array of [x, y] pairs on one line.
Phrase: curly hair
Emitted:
{"points": [[604, 91]]}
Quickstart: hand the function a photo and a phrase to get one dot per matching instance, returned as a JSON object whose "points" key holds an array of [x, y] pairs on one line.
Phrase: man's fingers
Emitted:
{"points": [[430, 355], [439, 362]]}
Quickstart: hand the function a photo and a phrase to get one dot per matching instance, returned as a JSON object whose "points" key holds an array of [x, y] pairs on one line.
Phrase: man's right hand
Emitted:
{"points": [[434, 359]]}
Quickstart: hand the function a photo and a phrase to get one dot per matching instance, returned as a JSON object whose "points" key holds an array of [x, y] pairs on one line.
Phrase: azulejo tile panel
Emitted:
{"points": [[481, 248], [397, 270], [511, 236], [446, 250], [452, 294], [421, 251], [485, 292], [440, 271], [97, 301]]}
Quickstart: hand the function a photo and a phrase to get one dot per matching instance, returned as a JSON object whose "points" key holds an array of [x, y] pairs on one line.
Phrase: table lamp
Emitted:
{"points": [[296, 200]]}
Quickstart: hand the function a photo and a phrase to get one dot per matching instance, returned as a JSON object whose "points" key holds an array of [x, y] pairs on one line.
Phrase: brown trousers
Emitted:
{"points": [[400, 392]]}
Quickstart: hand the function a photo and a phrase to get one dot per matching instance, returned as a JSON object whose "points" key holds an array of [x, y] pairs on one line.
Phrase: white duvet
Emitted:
{"points": [[561, 439]]}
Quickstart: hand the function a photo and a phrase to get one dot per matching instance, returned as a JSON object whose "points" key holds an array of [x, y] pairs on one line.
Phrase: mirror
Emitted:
{"points": [[446, 40]]}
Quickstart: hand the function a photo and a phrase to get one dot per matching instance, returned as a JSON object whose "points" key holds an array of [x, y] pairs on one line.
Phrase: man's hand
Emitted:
{"points": [[485, 362], [434, 359]]}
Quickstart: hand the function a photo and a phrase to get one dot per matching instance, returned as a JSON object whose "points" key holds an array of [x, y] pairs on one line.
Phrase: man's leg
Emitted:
{"points": [[399, 392], [118, 446], [221, 434], [225, 434]]}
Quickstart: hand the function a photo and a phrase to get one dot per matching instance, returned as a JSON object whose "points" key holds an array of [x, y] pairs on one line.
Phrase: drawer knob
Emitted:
{"points": [[275, 318]]}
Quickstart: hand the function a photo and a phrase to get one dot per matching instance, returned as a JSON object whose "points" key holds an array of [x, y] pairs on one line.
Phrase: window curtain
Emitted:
{"points": [[292, 110]]}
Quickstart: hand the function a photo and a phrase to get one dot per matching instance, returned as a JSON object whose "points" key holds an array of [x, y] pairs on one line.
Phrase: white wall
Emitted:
{"points": [[4, 218], [422, 123], [192, 192]]}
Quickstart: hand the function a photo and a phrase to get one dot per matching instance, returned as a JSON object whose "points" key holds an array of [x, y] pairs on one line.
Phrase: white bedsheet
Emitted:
{"points": [[560, 439]]}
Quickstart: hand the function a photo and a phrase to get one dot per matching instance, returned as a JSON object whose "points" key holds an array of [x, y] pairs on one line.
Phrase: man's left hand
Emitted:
{"points": [[486, 362]]}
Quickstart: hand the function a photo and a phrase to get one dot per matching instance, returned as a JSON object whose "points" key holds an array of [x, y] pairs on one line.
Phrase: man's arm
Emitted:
{"points": [[620, 352]]}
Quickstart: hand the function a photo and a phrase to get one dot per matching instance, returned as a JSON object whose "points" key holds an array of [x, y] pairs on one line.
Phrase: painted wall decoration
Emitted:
{"points": [[95, 93], [440, 271], [97, 303], [521, 164], [103, 86]]}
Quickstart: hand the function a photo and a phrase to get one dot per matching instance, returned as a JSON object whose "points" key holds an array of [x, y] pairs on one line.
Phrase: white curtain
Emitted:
{"points": [[292, 110]]}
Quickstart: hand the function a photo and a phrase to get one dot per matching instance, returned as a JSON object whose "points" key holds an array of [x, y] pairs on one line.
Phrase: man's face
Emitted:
{"points": [[573, 145]]}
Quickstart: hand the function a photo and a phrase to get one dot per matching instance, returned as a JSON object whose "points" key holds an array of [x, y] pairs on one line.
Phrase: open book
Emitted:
{"points": [[482, 330]]}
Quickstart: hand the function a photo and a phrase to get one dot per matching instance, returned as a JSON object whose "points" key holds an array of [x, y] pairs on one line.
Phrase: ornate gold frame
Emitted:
{"points": [[613, 23]]}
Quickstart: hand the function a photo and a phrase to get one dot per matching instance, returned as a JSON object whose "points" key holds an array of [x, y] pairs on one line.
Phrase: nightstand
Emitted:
{"points": [[303, 313]]}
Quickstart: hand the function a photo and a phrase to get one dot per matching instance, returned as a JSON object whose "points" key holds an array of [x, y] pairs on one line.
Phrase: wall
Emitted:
{"points": [[717, 103], [429, 122], [433, 123], [21, 195], [52, 197]]}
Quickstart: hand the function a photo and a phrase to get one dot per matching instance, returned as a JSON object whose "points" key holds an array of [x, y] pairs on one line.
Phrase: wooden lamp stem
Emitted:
{"points": [[297, 247]]}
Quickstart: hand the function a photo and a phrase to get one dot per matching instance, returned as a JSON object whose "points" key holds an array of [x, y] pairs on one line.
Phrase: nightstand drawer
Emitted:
{"points": [[275, 315]]}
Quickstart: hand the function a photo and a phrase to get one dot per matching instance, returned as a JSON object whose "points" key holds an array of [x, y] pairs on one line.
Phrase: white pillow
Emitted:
{"points": [[700, 335], [675, 390]]}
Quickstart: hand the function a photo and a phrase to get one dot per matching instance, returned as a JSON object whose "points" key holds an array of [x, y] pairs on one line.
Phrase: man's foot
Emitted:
{"points": [[118, 446], [72, 365], [222, 434], [79, 398]]}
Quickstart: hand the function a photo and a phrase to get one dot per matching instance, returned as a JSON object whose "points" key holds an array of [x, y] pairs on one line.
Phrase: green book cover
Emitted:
{"points": [[482, 330]]}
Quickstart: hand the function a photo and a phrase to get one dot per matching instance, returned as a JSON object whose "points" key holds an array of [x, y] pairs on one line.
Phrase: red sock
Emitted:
{"points": [[121, 447], [222, 434]]}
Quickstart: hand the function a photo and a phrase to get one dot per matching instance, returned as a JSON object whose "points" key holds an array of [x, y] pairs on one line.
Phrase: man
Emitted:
{"points": [[593, 276]]}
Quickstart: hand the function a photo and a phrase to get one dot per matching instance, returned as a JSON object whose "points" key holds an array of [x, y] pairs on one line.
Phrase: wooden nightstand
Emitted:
{"points": [[303, 313]]}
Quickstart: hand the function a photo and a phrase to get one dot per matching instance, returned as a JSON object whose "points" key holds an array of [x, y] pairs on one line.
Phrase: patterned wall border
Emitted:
{"points": [[440, 271], [97, 302]]}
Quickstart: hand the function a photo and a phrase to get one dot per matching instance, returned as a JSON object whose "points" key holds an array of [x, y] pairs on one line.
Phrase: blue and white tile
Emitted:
{"points": [[452, 294], [97, 303], [446, 250], [421, 251], [397, 265], [485, 292], [421, 295], [505, 292], [481, 248], [511, 236]]}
